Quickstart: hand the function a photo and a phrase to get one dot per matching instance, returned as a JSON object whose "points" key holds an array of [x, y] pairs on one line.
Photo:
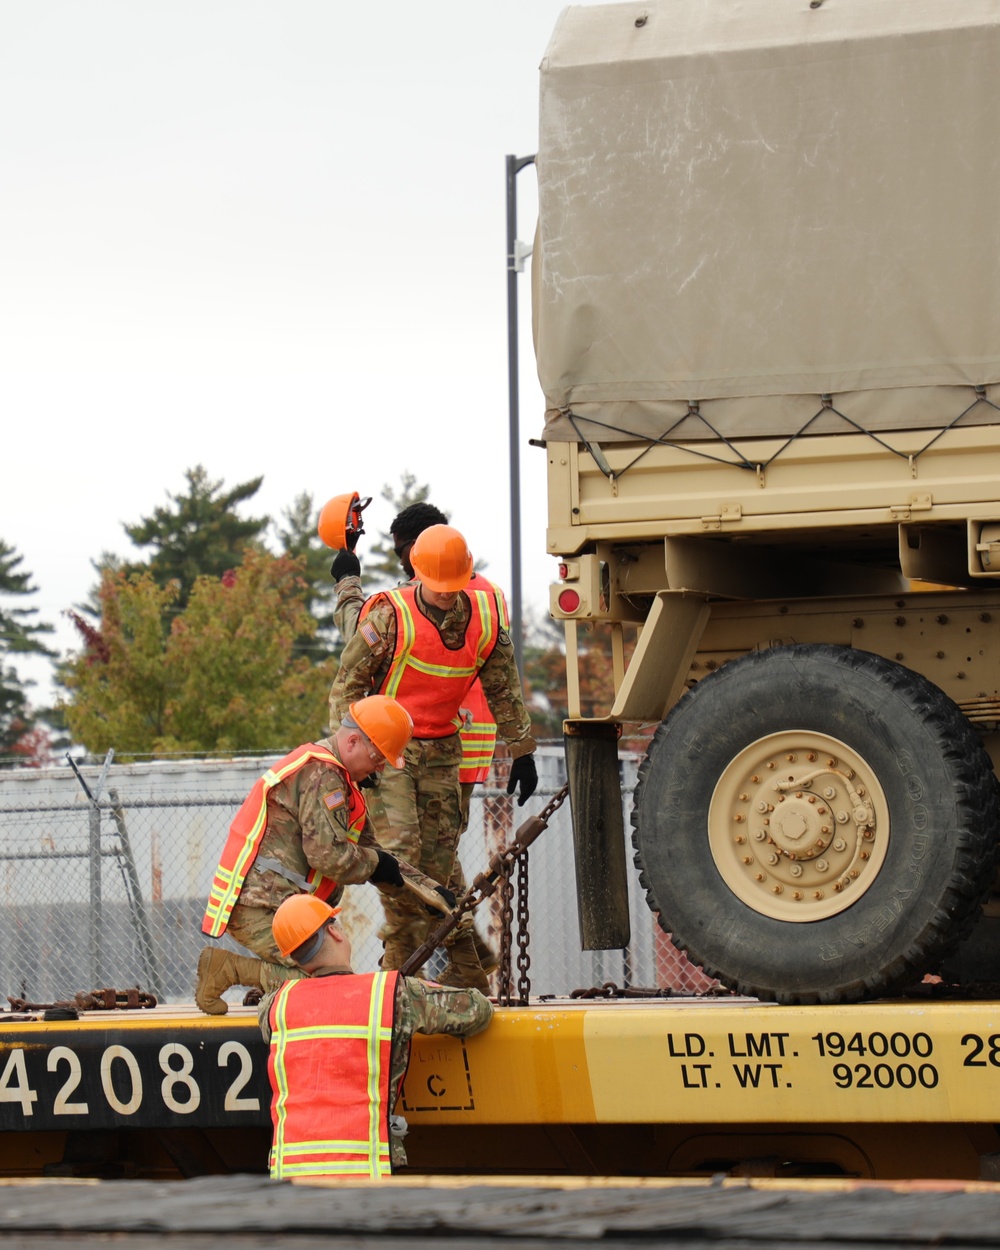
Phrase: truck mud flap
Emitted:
{"points": [[598, 834]]}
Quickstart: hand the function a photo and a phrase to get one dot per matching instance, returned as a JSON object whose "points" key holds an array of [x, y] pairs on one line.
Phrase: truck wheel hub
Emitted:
{"points": [[798, 826]]}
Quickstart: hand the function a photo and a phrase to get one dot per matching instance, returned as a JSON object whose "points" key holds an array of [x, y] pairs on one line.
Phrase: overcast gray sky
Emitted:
{"points": [[267, 238]]}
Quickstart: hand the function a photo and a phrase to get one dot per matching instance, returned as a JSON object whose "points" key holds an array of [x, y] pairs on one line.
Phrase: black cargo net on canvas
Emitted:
{"points": [[739, 460]]}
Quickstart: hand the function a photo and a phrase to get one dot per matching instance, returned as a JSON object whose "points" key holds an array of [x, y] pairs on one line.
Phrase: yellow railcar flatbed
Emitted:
{"points": [[678, 1087]]}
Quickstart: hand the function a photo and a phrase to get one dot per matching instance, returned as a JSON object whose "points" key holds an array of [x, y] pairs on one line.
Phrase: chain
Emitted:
{"points": [[93, 1000], [523, 958], [553, 805], [504, 979], [501, 875]]}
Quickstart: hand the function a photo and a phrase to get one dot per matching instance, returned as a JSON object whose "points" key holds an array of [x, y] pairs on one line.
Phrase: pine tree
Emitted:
{"points": [[299, 538], [20, 634], [380, 567], [200, 535]]}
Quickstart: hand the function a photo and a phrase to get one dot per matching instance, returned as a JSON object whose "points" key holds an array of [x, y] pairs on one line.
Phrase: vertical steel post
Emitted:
{"points": [[514, 166], [95, 918]]}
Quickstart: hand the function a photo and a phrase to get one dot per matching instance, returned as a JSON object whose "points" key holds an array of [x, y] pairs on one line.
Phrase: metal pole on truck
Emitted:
{"points": [[517, 253]]}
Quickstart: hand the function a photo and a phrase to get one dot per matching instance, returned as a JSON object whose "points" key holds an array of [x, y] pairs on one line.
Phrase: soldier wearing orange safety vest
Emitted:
{"points": [[339, 1048], [479, 730], [303, 827], [426, 644]]}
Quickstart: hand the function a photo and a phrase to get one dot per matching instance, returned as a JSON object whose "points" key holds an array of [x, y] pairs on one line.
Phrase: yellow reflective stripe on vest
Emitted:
{"points": [[351, 1167], [374, 1061], [487, 638], [280, 1077], [403, 645], [314, 1031], [332, 1144], [402, 659], [478, 741]]}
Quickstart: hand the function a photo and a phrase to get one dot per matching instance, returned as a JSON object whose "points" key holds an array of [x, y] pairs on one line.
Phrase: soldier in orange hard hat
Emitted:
{"points": [[340, 1045], [478, 731], [426, 644], [303, 828]]}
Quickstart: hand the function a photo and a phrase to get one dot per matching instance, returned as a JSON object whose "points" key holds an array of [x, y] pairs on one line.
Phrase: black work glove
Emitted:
{"points": [[387, 870], [345, 564], [523, 773], [448, 897], [368, 783]]}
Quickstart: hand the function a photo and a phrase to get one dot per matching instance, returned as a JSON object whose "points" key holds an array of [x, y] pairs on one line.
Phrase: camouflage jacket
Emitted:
{"points": [[348, 602], [307, 828], [421, 1007], [363, 667]]}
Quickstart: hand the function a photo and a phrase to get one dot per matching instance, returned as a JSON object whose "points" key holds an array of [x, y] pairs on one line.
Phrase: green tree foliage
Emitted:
{"points": [[298, 538], [223, 678], [120, 683], [380, 567], [199, 534], [20, 634]]}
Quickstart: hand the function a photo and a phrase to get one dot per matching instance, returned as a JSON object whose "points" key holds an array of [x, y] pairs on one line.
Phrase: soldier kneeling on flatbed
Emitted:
{"points": [[303, 828], [340, 1046]]}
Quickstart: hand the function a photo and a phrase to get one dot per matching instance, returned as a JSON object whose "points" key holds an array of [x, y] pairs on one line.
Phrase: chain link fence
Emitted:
{"points": [[104, 873]]}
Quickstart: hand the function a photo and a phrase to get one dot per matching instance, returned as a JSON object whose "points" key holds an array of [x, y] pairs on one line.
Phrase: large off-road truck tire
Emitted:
{"points": [[816, 824]]}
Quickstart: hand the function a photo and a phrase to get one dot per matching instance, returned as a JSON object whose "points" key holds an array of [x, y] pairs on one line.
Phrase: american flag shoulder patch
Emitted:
{"points": [[368, 633], [334, 799]]}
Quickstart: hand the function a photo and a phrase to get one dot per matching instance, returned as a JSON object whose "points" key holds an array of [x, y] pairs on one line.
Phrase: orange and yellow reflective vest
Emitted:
{"points": [[430, 680], [479, 729], [247, 832], [329, 1065]]}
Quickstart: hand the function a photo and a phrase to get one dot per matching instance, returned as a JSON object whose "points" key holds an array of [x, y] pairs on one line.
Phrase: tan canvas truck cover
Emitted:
{"points": [[750, 204]]}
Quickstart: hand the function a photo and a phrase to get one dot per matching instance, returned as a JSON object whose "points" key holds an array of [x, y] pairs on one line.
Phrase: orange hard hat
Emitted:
{"points": [[441, 559], [386, 723], [340, 520], [299, 918]]}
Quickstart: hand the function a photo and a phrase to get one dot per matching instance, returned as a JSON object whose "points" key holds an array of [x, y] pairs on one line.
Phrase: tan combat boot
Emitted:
{"points": [[463, 969], [218, 971]]}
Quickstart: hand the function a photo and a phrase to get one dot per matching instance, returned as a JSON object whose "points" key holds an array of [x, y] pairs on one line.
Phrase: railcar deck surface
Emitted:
{"points": [[252, 1212], [628, 1088]]}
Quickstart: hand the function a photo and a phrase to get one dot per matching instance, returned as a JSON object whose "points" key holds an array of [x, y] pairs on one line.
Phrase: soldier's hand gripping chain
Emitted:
{"points": [[484, 885], [523, 773]]}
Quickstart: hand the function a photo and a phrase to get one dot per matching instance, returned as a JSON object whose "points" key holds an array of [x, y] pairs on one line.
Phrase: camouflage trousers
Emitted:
{"points": [[416, 812], [251, 927], [466, 788]]}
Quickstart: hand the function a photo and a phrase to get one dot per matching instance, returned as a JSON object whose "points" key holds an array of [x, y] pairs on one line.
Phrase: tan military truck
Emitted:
{"points": [[766, 296]]}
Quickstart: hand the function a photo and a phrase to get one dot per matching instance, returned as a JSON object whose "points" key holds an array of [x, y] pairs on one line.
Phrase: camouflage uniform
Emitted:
{"points": [[421, 1007], [350, 600], [421, 803], [306, 828]]}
